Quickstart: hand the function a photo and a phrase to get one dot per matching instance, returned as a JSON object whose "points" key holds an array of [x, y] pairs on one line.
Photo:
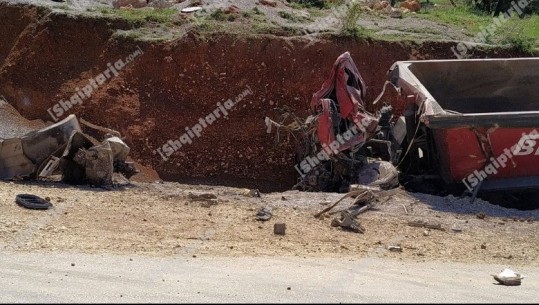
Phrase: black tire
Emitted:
{"points": [[32, 202]]}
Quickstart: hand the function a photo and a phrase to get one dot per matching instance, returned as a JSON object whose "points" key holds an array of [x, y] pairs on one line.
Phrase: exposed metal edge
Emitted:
{"points": [[518, 183], [504, 119]]}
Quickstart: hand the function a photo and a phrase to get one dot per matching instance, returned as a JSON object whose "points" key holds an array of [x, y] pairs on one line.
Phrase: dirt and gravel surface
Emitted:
{"points": [[12, 125], [164, 219]]}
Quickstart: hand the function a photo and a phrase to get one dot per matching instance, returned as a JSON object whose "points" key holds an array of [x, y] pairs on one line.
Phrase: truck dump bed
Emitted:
{"points": [[480, 112]]}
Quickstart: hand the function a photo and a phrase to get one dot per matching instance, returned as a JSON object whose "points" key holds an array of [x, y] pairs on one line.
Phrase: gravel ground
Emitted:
{"points": [[463, 206], [163, 219]]}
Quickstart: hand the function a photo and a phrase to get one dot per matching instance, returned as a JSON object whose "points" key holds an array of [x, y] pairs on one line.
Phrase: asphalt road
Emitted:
{"points": [[35, 277]]}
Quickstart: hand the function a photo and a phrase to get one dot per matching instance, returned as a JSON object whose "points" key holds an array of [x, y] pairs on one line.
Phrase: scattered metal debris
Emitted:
{"points": [[341, 143], [347, 221], [63, 148], [394, 248], [426, 224], [363, 200]]}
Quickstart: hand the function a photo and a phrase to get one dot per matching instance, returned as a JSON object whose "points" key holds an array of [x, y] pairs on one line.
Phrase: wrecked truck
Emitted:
{"points": [[341, 144], [470, 123], [61, 148], [450, 126]]}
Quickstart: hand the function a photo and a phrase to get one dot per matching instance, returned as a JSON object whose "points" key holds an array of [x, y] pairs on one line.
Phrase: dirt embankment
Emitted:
{"points": [[45, 57]]}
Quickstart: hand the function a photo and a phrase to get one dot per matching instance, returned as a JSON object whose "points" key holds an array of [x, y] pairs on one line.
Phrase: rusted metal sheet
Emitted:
{"points": [[21, 157]]}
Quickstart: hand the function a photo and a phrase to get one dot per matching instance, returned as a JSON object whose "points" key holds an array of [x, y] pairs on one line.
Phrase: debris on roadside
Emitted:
{"points": [[63, 148], [251, 193], [201, 197], [456, 228], [346, 219], [33, 202], [279, 229], [264, 214], [426, 224], [508, 277], [341, 144], [206, 199], [394, 248], [347, 222]]}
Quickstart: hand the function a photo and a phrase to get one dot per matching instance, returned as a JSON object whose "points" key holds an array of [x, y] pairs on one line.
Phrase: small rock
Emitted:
{"points": [[48, 199], [251, 193], [279, 228], [201, 197], [283, 198], [72, 264], [395, 13], [129, 3], [271, 3], [456, 228], [483, 246], [481, 216], [425, 233], [231, 9], [289, 288], [264, 214], [208, 203]]}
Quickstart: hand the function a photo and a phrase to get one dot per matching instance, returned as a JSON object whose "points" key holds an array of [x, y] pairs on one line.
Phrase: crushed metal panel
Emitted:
{"points": [[40, 144], [98, 164], [13, 162], [344, 90], [120, 150]]}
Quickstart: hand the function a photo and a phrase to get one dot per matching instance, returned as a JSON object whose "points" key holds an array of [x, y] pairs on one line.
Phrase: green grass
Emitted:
{"points": [[462, 17], [349, 22], [292, 17], [529, 26], [139, 17], [523, 30], [220, 15], [521, 34]]}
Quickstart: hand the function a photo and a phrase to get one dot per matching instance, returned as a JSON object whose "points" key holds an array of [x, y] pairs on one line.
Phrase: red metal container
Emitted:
{"points": [[482, 115]]}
